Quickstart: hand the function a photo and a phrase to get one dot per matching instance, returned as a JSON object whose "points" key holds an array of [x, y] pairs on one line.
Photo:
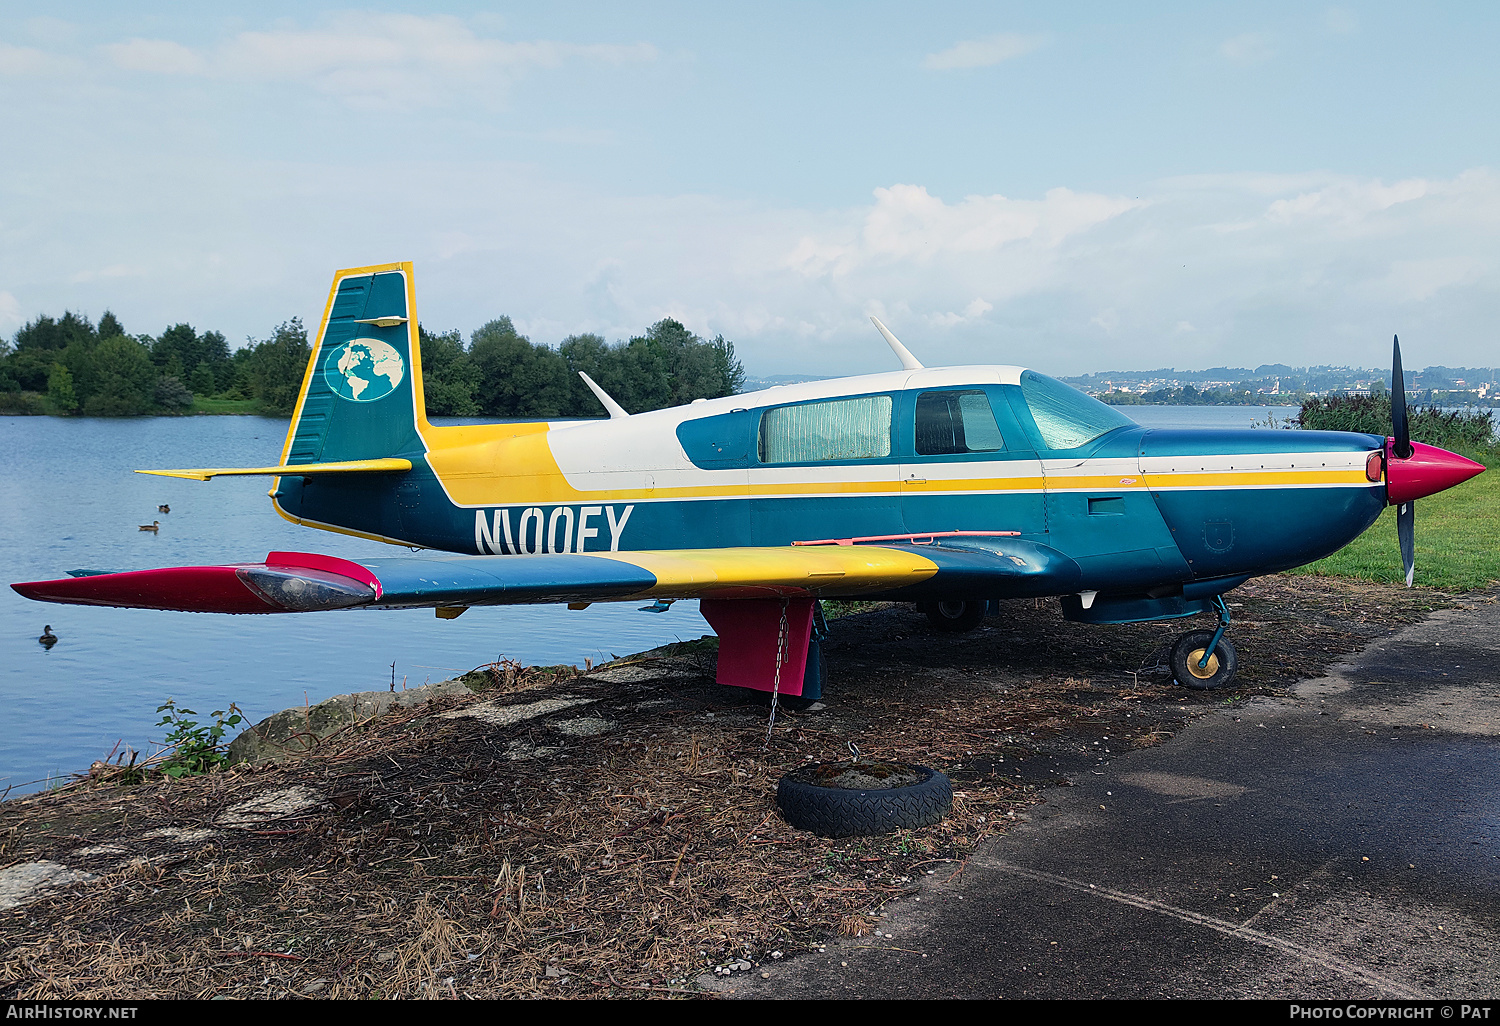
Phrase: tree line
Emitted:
{"points": [[70, 365], [501, 373]]}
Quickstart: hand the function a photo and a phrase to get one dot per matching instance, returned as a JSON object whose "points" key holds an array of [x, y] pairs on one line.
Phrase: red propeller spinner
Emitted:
{"points": [[1426, 471], [1413, 469]]}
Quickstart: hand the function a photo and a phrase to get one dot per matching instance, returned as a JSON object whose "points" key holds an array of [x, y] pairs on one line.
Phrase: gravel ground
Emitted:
{"points": [[608, 833]]}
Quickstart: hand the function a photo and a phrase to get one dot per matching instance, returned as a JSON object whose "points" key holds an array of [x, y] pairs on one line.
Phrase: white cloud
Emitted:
{"points": [[10, 313], [374, 59], [1247, 49], [1348, 200], [982, 53], [26, 61], [973, 312], [159, 55], [1322, 268], [906, 223]]}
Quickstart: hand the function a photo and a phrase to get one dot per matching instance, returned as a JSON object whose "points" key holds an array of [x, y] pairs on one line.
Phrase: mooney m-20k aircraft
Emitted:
{"points": [[948, 487]]}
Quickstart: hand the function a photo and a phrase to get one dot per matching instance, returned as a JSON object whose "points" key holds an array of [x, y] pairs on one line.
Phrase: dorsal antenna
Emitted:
{"points": [[616, 411], [903, 354]]}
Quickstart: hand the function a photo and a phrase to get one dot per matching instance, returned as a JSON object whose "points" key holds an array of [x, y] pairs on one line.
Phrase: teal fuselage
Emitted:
{"points": [[1123, 539]]}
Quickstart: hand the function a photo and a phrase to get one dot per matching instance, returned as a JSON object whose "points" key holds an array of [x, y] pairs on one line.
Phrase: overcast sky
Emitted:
{"points": [[1073, 187]]}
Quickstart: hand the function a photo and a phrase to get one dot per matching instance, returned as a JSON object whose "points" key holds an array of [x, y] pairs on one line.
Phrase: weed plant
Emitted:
{"points": [[194, 747]]}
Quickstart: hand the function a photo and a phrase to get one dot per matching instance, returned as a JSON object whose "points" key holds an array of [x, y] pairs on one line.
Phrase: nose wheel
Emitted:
{"points": [[954, 616], [1204, 660]]}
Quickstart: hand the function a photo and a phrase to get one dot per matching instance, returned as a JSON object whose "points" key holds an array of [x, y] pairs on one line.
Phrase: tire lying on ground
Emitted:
{"points": [[849, 799]]}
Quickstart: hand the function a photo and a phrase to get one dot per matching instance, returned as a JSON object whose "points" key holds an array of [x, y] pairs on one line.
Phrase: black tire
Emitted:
{"points": [[1188, 650], [955, 616], [842, 812]]}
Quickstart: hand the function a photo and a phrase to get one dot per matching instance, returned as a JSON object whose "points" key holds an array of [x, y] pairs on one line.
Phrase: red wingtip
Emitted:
{"points": [[287, 582], [207, 589], [1426, 471]]}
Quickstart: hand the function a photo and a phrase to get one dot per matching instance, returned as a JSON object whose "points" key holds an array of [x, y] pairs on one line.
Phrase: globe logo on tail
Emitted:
{"points": [[364, 369]]}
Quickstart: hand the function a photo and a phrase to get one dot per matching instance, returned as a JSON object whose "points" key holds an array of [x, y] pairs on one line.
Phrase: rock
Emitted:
{"points": [[293, 732], [271, 806], [504, 715], [584, 726], [27, 882]]}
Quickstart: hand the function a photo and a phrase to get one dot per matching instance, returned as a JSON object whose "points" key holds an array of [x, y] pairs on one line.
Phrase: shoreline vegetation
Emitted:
{"points": [[72, 366], [1455, 528]]}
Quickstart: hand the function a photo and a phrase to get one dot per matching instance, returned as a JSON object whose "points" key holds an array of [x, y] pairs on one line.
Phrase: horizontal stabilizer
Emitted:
{"points": [[384, 466]]}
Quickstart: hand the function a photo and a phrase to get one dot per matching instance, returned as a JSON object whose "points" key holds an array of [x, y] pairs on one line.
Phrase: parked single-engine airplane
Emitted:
{"points": [[943, 486]]}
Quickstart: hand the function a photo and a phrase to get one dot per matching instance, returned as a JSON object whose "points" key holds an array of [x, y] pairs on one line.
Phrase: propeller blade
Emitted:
{"points": [[1399, 427], [1406, 535]]}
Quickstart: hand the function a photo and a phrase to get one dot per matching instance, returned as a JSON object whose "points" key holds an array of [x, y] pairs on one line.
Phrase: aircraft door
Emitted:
{"points": [[967, 465], [1098, 508]]}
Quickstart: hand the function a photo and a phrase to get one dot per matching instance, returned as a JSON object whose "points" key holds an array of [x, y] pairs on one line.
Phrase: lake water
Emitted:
{"points": [[70, 500]]}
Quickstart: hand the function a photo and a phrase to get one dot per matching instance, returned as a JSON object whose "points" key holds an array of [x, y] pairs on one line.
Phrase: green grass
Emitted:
{"points": [[203, 405], [1457, 533]]}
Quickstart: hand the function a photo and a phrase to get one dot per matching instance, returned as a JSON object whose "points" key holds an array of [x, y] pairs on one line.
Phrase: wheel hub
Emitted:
{"points": [[1203, 672]]}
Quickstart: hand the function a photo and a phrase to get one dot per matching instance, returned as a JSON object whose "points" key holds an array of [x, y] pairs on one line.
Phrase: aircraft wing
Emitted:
{"points": [[291, 582]]}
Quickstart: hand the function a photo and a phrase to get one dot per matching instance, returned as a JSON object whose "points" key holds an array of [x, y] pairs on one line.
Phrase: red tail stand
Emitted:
{"points": [[748, 630]]}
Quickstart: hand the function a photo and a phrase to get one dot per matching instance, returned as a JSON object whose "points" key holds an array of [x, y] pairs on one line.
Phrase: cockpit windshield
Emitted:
{"points": [[1065, 416]]}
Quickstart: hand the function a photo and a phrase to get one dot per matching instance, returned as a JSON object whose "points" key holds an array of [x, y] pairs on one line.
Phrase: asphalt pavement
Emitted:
{"points": [[1340, 844]]}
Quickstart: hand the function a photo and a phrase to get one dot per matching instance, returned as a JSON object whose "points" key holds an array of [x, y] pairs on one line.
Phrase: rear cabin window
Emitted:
{"points": [[1065, 416], [956, 422], [843, 429]]}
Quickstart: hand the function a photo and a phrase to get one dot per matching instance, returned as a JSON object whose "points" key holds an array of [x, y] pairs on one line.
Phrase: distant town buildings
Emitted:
{"points": [[1279, 383]]}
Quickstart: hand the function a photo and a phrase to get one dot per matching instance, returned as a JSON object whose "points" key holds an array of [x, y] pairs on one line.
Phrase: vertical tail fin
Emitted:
{"points": [[362, 392], [361, 399]]}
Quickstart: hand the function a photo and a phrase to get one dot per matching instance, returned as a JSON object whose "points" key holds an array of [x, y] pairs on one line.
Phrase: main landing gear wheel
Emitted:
{"points": [[955, 616], [1187, 655]]}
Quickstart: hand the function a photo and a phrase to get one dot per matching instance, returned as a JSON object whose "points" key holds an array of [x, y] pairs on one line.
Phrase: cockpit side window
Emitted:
{"points": [[1065, 416], [949, 423], [842, 429]]}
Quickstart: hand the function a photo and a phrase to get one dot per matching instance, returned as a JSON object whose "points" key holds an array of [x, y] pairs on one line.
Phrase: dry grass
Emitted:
{"points": [[450, 857]]}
